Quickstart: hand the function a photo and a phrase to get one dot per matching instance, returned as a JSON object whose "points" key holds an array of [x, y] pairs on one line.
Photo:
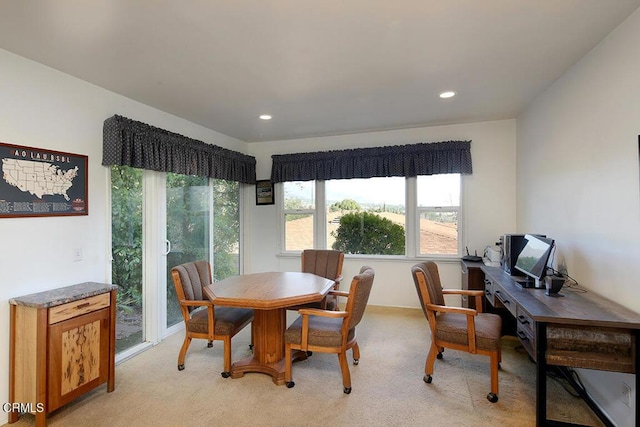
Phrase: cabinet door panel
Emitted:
{"points": [[78, 356]]}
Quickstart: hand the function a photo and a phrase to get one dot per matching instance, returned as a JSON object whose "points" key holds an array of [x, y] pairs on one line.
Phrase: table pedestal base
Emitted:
{"points": [[276, 370], [268, 347]]}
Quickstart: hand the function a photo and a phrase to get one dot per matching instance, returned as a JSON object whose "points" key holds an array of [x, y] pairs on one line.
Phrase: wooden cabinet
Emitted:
{"points": [[472, 279], [62, 344]]}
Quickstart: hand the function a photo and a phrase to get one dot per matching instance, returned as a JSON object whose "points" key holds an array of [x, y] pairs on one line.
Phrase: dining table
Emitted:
{"points": [[269, 294]]}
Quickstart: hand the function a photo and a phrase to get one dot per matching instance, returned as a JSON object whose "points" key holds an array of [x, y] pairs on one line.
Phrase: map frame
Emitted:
{"points": [[69, 170]]}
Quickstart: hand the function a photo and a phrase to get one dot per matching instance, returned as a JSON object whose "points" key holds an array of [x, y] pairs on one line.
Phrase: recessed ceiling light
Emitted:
{"points": [[265, 117], [447, 94]]}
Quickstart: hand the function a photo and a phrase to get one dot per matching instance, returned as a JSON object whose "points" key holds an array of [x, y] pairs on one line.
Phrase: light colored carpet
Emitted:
{"points": [[387, 387]]}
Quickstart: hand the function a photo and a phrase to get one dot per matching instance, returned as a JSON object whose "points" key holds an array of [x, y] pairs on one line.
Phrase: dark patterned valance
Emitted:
{"points": [[132, 143], [400, 160]]}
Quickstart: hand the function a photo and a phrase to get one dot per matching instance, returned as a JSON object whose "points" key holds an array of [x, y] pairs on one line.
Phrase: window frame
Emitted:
{"points": [[424, 209], [316, 214]]}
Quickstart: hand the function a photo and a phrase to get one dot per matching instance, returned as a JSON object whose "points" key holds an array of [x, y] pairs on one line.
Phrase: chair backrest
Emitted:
{"points": [[428, 285], [323, 262], [359, 295], [189, 278]]}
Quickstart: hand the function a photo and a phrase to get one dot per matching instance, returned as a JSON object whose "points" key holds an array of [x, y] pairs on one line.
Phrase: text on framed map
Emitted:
{"points": [[41, 182]]}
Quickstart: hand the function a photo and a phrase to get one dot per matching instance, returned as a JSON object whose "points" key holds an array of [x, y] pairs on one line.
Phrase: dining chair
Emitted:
{"points": [[328, 264], [457, 328], [202, 319], [329, 331]]}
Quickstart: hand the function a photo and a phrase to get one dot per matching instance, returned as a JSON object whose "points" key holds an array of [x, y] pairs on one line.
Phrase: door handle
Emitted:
{"points": [[167, 247]]}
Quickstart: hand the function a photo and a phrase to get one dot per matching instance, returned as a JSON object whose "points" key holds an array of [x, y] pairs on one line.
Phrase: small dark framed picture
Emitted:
{"points": [[264, 192]]}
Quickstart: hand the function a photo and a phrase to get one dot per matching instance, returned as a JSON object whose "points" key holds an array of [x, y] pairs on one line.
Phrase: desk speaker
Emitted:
{"points": [[553, 284]]}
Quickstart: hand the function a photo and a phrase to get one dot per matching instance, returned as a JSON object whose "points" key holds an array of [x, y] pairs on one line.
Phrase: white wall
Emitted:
{"points": [[489, 197], [44, 108], [578, 176]]}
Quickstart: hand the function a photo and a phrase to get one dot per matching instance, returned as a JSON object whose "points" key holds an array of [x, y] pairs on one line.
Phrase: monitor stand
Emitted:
{"points": [[529, 283]]}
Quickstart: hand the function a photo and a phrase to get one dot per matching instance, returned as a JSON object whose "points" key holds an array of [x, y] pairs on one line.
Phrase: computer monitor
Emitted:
{"points": [[532, 260]]}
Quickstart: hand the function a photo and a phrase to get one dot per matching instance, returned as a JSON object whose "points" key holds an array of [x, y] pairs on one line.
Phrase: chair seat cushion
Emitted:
{"points": [[323, 332], [227, 320], [452, 327]]}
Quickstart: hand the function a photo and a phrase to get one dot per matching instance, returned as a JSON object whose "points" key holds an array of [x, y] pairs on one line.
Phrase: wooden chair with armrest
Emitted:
{"points": [[329, 331], [457, 328], [202, 319], [325, 263]]}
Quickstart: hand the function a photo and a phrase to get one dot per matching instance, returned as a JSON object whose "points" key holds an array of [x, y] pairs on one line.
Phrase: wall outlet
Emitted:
{"points": [[626, 394], [77, 254]]}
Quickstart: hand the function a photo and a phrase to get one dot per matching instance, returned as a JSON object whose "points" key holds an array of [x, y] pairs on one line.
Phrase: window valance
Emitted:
{"points": [[128, 142], [402, 160]]}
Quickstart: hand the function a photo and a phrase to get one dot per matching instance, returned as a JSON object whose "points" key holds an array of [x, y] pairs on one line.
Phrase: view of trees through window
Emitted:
{"points": [[126, 251], [194, 205], [366, 216], [203, 218]]}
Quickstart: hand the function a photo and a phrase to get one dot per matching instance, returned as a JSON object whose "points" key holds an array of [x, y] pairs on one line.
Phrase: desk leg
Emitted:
{"points": [[636, 366], [541, 374]]}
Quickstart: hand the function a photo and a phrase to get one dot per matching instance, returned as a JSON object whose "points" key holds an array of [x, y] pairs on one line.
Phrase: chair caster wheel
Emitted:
{"points": [[356, 361], [210, 344], [290, 384], [225, 374], [181, 367], [251, 347], [493, 398], [427, 379], [439, 356], [347, 390], [309, 353]]}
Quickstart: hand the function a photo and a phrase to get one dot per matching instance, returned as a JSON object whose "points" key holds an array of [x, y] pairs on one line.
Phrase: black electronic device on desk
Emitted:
{"points": [[532, 261], [472, 258], [553, 284]]}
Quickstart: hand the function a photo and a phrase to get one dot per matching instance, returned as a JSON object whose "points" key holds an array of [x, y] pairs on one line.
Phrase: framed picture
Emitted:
{"points": [[42, 182], [264, 192]]}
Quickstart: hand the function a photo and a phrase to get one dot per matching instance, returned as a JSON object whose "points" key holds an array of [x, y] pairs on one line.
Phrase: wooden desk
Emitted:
{"points": [[580, 330], [269, 294]]}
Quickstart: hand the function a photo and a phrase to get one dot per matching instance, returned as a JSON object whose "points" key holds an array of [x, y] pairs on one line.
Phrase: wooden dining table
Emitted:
{"points": [[268, 294]]}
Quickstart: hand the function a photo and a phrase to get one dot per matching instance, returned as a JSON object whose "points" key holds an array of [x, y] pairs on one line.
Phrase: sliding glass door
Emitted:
{"points": [[189, 206], [226, 229], [126, 253], [160, 220]]}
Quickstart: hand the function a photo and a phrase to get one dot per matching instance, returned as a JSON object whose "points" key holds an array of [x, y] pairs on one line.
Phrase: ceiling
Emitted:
{"points": [[319, 67]]}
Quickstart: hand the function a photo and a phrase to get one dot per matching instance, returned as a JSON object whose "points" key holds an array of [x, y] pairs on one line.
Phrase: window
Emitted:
{"points": [[299, 215], [369, 216], [438, 213], [366, 216]]}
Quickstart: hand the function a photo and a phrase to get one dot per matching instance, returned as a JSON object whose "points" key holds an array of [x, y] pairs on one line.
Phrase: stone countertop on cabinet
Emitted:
{"points": [[54, 297]]}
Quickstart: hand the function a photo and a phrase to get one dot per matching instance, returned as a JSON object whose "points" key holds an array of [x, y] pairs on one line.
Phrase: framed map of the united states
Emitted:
{"points": [[41, 182]]}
